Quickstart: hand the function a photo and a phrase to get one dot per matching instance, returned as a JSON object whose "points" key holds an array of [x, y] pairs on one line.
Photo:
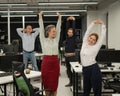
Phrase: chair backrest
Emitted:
{"points": [[22, 83]]}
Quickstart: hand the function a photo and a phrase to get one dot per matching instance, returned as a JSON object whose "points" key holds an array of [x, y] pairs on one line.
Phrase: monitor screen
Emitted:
{"points": [[8, 48], [108, 55]]}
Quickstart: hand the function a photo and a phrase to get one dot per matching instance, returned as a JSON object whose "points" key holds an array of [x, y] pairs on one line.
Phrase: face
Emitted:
{"points": [[70, 33], [52, 33], [91, 40], [29, 29]]}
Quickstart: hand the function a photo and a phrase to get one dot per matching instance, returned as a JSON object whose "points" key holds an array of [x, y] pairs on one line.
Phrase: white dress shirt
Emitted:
{"points": [[49, 45], [88, 53]]}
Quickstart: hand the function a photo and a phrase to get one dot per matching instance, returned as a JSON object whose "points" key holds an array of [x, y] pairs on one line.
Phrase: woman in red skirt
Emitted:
{"points": [[50, 68]]}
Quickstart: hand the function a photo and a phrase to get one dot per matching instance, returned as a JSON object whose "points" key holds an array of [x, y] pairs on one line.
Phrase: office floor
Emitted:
{"points": [[62, 90]]}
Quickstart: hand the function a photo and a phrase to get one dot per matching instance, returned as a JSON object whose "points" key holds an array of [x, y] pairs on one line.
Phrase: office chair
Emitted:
{"points": [[23, 85], [113, 83]]}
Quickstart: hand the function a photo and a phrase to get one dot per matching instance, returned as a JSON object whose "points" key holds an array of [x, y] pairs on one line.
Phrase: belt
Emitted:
{"points": [[28, 51]]}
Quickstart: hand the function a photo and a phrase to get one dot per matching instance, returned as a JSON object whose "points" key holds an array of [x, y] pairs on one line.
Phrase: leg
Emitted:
{"points": [[86, 81], [54, 93], [96, 81], [69, 73], [67, 64], [47, 93], [33, 60], [25, 59]]}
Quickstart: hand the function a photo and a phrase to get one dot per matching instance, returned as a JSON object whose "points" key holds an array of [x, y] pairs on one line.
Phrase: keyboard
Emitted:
{"points": [[5, 74]]}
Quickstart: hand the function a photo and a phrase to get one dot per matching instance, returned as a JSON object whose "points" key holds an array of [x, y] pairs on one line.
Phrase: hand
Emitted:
{"points": [[58, 14], [71, 18], [40, 14], [98, 22], [24, 30]]}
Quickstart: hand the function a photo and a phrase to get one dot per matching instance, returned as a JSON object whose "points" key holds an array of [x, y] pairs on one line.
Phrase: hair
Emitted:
{"points": [[48, 29], [96, 35], [70, 29], [28, 25]]}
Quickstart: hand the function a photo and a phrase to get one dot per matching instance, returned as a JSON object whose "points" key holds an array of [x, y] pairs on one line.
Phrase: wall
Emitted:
{"points": [[114, 26], [95, 15]]}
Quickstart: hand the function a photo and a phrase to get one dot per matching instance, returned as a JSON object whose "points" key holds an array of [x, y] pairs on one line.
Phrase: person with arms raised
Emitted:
{"points": [[50, 67]]}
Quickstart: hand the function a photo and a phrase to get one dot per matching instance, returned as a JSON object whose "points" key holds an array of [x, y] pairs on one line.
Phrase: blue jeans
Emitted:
{"points": [[30, 56]]}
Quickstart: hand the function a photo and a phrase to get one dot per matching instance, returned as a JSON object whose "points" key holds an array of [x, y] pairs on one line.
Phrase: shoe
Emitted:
{"points": [[68, 85]]}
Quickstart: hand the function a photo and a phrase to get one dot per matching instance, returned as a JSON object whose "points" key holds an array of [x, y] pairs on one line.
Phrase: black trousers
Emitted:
{"points": [[92, 78], [69, 72]]}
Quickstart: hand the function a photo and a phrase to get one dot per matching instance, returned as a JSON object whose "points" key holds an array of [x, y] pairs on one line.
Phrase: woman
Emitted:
{"points": [[50, 64], [92, 77]]}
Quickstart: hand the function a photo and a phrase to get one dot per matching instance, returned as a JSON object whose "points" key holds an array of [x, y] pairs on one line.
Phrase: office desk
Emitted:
{"points": [[6, 60], [77, 69], [115, 94], [9, 79]]}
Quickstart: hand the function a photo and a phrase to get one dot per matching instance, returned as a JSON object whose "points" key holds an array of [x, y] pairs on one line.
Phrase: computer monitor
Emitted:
{"points": [[8, 48], [108, 56]]}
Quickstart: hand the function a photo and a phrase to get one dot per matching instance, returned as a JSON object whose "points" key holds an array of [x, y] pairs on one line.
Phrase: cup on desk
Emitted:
{"points": [[27, 71]]}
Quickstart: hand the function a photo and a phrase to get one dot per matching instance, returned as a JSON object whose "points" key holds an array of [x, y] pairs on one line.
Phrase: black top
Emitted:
{"points": [[70, 44], [70, 41]]}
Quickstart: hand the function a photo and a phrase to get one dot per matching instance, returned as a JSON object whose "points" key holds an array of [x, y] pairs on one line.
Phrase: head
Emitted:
{"points": [[92, 39], [70, 32], [28, 29], [50, 31]]}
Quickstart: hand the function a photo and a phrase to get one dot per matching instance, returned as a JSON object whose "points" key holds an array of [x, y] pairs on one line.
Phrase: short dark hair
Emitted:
{"points": [[28, 25], [48, 29], [70, 29]]}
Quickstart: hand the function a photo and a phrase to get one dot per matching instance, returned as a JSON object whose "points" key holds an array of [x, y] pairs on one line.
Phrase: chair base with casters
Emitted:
{"points": [[22, 84], [113, 83]]}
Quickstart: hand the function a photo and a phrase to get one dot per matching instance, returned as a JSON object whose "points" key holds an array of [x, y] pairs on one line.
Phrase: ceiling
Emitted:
{"points": [[32, 5]]}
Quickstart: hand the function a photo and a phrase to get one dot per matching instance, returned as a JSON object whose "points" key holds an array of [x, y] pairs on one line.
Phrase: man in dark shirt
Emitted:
{"points": [[70, 48]]}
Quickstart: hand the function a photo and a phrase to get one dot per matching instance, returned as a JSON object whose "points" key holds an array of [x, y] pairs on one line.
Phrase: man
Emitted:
{"points": [[28, 36], [70, 47]]}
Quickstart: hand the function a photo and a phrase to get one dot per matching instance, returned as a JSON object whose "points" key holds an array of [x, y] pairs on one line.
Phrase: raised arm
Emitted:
{"points": [[41, 35], [36, 31], [88, 31], [103, 33], [58, 27], [70, 23], [20, 31]]}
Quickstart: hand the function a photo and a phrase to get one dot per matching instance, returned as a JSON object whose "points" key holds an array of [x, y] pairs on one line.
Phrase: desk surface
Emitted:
{"points": [[36, 54], [115, 94], [78, 68], [9, 79]]}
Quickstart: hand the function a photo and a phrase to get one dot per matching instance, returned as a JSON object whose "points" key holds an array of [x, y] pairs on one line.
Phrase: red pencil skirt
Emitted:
{"points": [[50, 70]]}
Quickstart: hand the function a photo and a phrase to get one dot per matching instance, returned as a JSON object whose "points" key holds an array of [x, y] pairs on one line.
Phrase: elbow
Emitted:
{"points": [[17, 29]]}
